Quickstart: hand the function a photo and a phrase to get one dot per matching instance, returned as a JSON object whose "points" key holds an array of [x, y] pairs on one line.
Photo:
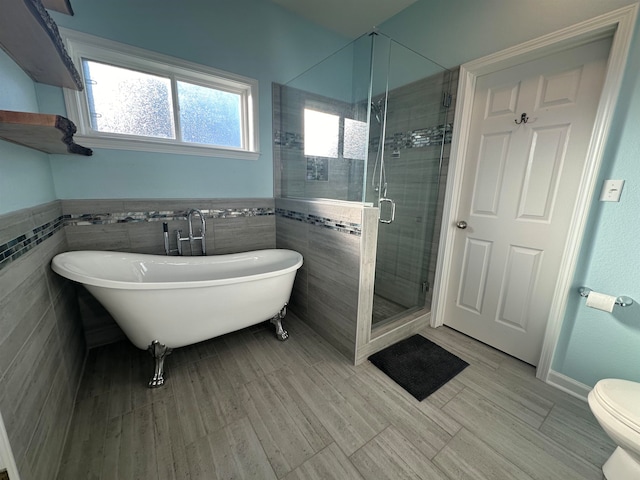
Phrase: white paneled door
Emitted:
{"points": [[518, 195]]}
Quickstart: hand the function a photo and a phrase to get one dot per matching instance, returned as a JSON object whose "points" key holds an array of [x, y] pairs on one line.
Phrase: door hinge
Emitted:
{"points": [[446, 99]]}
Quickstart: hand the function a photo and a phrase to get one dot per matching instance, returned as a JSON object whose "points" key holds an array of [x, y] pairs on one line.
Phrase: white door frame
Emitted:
{"points": [[619, 25]]}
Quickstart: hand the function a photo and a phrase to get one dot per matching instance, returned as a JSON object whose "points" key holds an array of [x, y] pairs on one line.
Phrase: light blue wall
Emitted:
{"points": [[456, 31], [254, 38], [596, 344], [593, 344], [25, 174]]}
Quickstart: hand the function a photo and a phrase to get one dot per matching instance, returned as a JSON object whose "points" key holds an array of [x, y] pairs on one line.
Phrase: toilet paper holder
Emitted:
{"points": [[621, 301]]}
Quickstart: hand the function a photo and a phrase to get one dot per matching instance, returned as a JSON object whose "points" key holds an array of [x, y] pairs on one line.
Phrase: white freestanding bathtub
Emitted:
{"points": [[164, 302]]}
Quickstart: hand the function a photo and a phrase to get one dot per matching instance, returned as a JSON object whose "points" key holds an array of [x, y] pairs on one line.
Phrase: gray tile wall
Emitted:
{"points": [[416, 122], [290, 164], [327, 291], [42, 348], [407, 248], [232, 225]]}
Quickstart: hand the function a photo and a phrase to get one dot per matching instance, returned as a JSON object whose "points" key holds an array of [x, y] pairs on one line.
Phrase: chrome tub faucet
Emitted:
{"points": [[191, 238], [203, 227]]}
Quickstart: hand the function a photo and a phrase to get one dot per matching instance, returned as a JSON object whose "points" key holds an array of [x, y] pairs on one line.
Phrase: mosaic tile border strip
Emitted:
{"points": [[337, 225], [162, 215], [17, 247], [289, 139], [419, 138]]}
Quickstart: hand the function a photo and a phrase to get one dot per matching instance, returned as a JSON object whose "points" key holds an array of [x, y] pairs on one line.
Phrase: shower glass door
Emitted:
{"points": [[408, 136], [367, 124]]}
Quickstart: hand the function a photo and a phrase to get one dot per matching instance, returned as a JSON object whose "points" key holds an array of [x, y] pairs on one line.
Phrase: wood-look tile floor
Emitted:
{"points": [[248, 406]]}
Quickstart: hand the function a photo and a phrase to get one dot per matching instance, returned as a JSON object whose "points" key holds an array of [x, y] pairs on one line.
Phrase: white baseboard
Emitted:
{"points": [[569, 385]]}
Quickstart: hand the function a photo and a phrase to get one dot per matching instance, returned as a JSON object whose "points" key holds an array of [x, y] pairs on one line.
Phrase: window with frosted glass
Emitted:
{"points": [[355, 139], [321, 134], [129, 102], [209, 116], [140, 100]]}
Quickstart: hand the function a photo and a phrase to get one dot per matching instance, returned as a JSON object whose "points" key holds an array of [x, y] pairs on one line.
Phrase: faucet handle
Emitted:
{"points": [[179, 240]]}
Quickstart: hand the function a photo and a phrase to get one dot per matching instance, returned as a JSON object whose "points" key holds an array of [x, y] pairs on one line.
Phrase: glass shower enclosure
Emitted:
{"points": [[371, 123]]}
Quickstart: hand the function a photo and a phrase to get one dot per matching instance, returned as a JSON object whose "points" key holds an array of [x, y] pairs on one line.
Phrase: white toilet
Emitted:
{"points": [[616, 405]]}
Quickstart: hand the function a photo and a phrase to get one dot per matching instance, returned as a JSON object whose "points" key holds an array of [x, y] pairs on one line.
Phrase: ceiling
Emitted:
{"points": [[350, 18]]}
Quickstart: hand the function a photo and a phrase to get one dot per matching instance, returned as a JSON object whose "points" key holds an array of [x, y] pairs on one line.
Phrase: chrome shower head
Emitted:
{"points": [[377, 110]]}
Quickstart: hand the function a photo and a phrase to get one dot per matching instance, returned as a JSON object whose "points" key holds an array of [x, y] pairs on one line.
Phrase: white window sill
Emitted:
{"points": [[158, 146]]}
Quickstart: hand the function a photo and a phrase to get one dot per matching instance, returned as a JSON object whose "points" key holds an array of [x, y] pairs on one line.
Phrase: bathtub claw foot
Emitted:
{"points": [[159, 351], [281, 333]]}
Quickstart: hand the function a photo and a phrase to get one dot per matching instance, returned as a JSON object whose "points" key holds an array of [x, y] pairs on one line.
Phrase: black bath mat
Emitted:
{"points": [[418, 365]]}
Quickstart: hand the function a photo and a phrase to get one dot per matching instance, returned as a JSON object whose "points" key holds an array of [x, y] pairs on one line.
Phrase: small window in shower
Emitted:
{"points": [[356, 134], [321, 134]]}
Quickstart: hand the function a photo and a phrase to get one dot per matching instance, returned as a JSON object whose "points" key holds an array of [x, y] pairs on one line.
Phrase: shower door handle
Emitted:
{"points": [[393, 209]]}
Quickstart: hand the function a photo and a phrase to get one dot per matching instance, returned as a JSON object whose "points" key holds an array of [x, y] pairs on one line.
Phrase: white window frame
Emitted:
{"points": [[84, 46]]}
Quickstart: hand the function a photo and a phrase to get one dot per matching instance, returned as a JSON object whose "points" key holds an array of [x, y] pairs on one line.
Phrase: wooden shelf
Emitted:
{"points": [[62, 6], [31, 38], [44, 132]]}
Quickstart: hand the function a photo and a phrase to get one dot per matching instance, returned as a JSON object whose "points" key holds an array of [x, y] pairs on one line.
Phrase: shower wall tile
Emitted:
{"points": [[65, 306], [370, 224], [336, 250], [37, 367], [293, 235], [407, 249], [15, 224], [19, 315], [276, 122], [98, 326], [333, 285], [337, 211], [49, 435], [140, 237], [291, 204], [299, 301], [79, 207], [403, 291], [339, 331], [340, 286], [150, 205], [290, 163], [242, 234], [98, 237], [327, 287], [42, 348], [44, 213]]}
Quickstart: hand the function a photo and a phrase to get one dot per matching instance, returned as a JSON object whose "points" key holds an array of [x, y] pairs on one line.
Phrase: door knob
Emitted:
{"points": [[461, 224]]}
